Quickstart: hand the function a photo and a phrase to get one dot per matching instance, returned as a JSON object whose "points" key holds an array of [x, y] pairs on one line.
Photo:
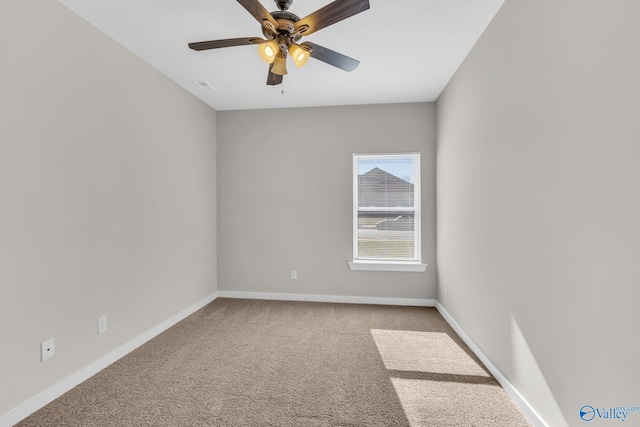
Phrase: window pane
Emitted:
{"points": [[386, 182], [386, 207], [386, 235]]}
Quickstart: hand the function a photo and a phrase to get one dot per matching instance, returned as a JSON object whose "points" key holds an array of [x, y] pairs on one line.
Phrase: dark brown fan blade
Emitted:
{"points": [[330, 14], [216, 44], [273, 79], [258, 11], [332, 58]]}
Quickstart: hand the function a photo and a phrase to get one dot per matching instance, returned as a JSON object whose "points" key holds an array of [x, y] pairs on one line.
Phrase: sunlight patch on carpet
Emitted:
{"points": [[417, 351], [428, 403]]}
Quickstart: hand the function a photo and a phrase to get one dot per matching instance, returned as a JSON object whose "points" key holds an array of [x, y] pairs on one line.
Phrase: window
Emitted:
{"points": [[386, 210]]}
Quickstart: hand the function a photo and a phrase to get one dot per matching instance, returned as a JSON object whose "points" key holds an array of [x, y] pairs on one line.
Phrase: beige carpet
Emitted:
{"points": [[273, 363]]}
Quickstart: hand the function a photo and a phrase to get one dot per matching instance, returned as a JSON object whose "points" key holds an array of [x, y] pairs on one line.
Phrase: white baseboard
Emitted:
{"points": [[17, 414], [522, 403], [27, 408], [414, 302]]}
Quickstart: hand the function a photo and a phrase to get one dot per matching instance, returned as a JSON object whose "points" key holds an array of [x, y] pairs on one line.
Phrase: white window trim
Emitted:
{"points": [[384, 264], [366, 265]]}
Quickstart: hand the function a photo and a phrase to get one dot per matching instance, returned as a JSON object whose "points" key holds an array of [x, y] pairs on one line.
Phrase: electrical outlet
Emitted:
{"points": [[294, 274], [102, 324], [47, 349]]}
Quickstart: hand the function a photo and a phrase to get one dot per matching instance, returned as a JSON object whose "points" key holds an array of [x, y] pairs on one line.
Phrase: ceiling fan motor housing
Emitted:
{"points": [[286, 26]]}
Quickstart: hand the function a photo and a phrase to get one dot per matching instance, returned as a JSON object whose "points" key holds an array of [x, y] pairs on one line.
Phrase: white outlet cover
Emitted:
{"points": [[102, 324], [47, 349]]}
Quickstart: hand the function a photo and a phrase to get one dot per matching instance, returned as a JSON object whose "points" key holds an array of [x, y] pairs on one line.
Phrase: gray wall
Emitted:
{"points": [[107, 196], [539, 204], [285, 197]]}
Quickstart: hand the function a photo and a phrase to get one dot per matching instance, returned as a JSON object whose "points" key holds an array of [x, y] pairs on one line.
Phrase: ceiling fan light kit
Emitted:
{"points": [[268, 51], [299, 55], [280, 65], [283, 30]]}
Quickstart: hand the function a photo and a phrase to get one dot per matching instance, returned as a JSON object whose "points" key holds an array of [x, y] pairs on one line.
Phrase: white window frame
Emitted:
{"points": [[412, 265]]}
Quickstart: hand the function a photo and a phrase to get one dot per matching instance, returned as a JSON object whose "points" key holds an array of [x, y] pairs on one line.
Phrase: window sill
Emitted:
{"points": [[415, 267]]}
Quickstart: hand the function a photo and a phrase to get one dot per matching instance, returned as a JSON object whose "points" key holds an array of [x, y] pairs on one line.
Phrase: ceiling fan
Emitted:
{"points": [[283, 30]]}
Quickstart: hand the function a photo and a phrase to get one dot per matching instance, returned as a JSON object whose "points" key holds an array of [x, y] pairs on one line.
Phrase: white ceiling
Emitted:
{"points": [[408, 50]]}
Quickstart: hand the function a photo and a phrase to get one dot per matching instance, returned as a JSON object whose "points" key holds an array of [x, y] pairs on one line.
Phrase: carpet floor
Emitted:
{"points": [[276, 363]]}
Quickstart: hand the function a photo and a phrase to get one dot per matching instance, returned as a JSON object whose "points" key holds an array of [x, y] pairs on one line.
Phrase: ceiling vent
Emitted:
{"points": [[205, 85]]}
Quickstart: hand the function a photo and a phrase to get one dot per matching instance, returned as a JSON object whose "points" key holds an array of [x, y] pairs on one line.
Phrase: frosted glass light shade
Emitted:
{"points": [[268, 51], [299, 55], [280, 66]]}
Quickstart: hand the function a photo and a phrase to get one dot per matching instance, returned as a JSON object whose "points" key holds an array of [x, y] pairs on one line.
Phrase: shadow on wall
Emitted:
{"points": [[528, 376]]}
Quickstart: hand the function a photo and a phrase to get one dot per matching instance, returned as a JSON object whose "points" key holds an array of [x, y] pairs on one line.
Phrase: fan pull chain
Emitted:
{"points": [[282, 87]]}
